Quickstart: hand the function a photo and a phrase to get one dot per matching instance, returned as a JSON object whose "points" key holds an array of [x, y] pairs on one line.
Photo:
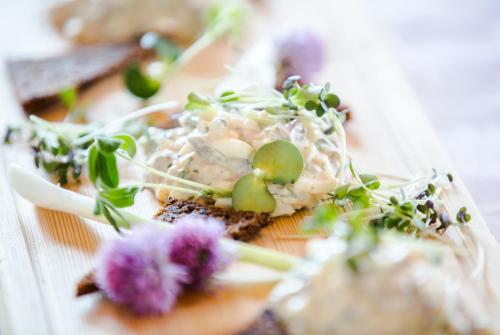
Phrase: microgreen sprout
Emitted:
{"points": [[10, 134], [138, 83], [463, 216], [69, 99], [278, 162], [358, 211], [250, 193], [360, 238], [60, 148], [412, 207], [54, 148], [103, 173], [281, 162], [226, 16]]}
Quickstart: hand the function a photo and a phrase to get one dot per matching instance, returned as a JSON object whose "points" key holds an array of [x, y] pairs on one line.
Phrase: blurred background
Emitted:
{"points": [[450, 51]]}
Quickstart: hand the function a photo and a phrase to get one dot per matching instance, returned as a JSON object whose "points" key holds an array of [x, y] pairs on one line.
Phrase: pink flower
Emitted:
{"points": [[300, 52], [194, 244], [136, 272]]}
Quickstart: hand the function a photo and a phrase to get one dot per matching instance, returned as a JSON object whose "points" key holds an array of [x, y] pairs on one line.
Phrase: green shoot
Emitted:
{"points": [[222, 17]]}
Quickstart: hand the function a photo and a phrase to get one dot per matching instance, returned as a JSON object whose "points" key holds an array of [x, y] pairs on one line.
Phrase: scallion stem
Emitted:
{"points": [[261, 256]]}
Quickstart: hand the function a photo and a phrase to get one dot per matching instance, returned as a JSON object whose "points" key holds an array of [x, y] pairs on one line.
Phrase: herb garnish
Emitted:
{"points": [[412, 207], [278, 162], [57, 148], [68, 97], [221, 17]]}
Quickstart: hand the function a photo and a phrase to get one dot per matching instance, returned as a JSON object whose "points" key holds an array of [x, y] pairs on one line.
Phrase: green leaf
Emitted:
{"points": [[98, 207], [370, 181], [341, 192], [127, 144], [463, 216], [139, 84], [10, 132], [93, 153], [356, 192], [228, 96], [310, 105], [197, 102], [109, 216], [108, 170], [289, 82], [107, 145], [67, 96], [320, 110], [332, 101], [324, 217], [250, 193], [361, 202], [299, 96], [120, 197], [280, 161], [431, 189], [50, 166]]}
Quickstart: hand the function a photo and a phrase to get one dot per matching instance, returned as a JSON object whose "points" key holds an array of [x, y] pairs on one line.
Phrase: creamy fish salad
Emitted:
{"points": [[406, 286], [214, 145]]}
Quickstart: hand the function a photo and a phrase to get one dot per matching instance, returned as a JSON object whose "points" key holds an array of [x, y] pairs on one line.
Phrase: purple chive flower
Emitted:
{"points": [[300, 52], [135, 271], [194, 244]]}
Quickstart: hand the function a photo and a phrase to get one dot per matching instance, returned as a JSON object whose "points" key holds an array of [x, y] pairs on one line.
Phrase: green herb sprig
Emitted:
{"points": [[55, 148], [361, 238], [412, 207], [103, 172], [221, 17]]}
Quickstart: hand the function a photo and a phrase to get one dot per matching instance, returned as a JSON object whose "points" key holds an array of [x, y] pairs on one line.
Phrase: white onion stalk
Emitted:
{"points": [[47, 195]]}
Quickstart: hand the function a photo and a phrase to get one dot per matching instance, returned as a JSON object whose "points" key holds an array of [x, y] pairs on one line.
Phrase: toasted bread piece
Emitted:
{"points": [[37, 82], [239, 225]]}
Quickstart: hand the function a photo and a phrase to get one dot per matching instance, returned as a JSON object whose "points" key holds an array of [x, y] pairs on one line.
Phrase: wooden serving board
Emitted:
{"points": [[43, 253]]}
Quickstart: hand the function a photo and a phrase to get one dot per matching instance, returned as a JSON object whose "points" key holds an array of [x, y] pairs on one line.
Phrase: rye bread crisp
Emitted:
{"points": [[240, 225], [37, 82]]}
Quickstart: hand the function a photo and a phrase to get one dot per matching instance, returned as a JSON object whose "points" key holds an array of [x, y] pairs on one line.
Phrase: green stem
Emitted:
{"points": [[167, 176], [246, 252], [128, 117], [62, 129], [339, 129], [203, 42], [261, 256], [167, 187]]}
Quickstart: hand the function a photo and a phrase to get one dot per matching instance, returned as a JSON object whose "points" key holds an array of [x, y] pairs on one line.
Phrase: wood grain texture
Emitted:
{"points": [[44, 253]]}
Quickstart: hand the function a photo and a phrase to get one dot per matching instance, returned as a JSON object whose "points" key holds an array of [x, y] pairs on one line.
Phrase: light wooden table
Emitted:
{"points": [[44, 253]]}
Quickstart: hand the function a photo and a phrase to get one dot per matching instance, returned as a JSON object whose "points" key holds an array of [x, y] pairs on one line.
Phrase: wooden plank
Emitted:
{"points": [[43, 253]]}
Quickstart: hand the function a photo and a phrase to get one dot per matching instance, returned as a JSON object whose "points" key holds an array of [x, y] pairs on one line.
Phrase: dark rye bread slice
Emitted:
{"points": [[37, 82], [265, 324], [240, 225]]}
